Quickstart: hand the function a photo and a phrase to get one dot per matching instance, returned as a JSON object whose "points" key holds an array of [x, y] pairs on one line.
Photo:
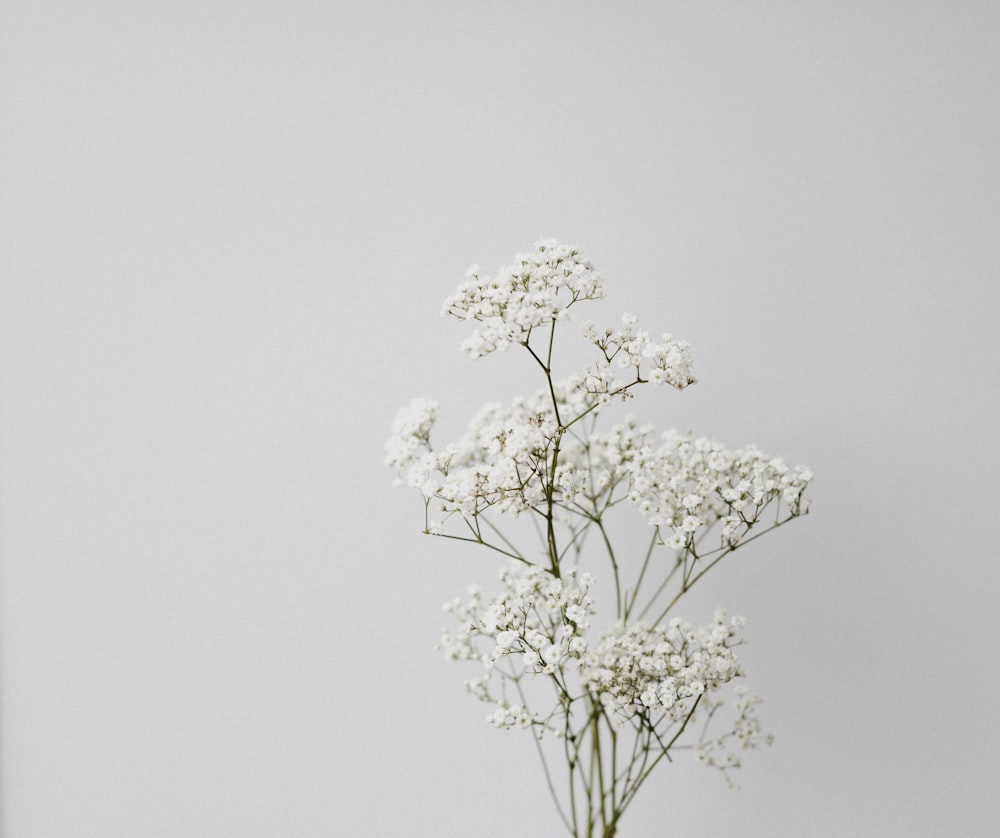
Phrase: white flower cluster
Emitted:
{"points": [[509, 715], [629, 348], [653, 670], [686, 484], [410, 439], [537, 619], [534, 291], [596, 466], [501, 460], [683, 485], [746, 734]]}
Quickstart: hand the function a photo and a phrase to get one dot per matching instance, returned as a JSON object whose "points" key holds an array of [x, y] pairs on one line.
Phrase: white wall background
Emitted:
{"points": [[226, 232]]}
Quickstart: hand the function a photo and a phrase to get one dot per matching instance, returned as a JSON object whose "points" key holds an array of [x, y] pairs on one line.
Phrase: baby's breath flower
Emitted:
{"points": [[509, 715], [529, 620], [410, 434], [628, 348], [746, 733], [683, 475], [657, 668], [533, 292], [544, 457]]}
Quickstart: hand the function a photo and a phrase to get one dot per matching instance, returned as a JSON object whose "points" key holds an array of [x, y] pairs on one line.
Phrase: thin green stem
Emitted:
{"points": [[598, 764], [665, 750], [549, 480], [614, 566], [678, 563], [502, 537], [571, 762], [549, 515], [547, 369], [642, 575], [545, 765], [690, 581], [596, 404], [479, 540]]}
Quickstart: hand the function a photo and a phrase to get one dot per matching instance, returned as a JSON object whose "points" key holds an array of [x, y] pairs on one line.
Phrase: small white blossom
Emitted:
{"points": [[509, 715], [628, 348], [410, 433], [533, 292], [746, 733], [681, 476], [528, 620], [658, 668]]}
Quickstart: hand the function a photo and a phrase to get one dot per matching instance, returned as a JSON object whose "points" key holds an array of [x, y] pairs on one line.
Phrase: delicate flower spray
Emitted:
{"points": [[536, 482]]}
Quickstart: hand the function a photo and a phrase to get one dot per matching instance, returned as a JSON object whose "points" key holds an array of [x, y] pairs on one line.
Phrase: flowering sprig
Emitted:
{"points": [[538, 619], [655, 669], [745, 734], [630, 349], [618, 704], [536, 290]]}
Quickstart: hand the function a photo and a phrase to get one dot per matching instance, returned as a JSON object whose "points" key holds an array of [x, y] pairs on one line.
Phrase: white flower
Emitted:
{"points": [[410, 433], [677, 540], [688, 484], [659, 667], [690, 502], [527, 620], [505, 639], [746, 733], [551, 654], [690, 523], [533, 292], [630, 348]]}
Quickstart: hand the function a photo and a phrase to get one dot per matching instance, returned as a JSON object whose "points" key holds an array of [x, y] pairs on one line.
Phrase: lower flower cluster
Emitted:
{"points": [[538, 624], [653, 670], [745, 734], [539, 620]]}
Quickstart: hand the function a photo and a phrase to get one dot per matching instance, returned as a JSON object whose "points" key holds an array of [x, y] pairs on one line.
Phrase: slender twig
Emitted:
{"points": [[678, 564], [614, 567], [723, 552], [479, 540], [642, 778], [642, 575], [501, 536], [545, 765]]}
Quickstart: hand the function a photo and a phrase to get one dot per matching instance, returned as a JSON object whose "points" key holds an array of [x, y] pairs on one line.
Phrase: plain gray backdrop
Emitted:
{"points": [[227, 230]]}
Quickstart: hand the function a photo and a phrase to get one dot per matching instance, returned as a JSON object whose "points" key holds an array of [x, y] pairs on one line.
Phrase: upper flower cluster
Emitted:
{"points": [[537, 289], [632, 350]]}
